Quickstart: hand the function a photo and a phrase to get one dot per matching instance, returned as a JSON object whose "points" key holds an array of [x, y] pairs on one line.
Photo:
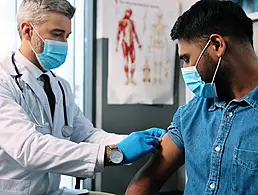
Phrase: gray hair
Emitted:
{"points": [[36, 11]]}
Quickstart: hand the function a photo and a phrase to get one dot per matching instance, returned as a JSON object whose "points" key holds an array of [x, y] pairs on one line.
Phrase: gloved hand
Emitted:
{"points": [[156, 132], [137, 144]]}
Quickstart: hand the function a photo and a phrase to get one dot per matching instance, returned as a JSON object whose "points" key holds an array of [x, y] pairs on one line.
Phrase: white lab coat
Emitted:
{"points": [[33, 158]]}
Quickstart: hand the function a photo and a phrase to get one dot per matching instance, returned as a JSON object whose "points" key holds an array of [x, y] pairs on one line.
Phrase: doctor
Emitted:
{"points": [[43, 133]]}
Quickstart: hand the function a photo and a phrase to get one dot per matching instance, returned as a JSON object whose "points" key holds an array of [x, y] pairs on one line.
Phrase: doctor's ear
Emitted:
{"points": [[26, 30], [218, 44]]}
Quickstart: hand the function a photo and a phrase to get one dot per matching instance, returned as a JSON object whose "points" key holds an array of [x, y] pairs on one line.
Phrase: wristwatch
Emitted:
{"points": [[115, 155]]}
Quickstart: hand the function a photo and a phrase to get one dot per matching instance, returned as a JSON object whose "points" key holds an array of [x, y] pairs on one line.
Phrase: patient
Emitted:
{"points": [[216, 133], [159, 168]]}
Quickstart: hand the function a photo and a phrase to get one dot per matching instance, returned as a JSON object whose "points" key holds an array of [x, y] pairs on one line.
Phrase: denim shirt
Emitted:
{"points": [[220, 142]]}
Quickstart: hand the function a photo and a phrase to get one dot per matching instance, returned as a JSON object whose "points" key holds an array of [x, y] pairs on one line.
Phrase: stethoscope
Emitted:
{"points": [[67, 130]]}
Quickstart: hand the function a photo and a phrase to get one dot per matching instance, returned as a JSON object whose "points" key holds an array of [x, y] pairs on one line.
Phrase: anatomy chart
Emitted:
{"points": [[141, 52]]}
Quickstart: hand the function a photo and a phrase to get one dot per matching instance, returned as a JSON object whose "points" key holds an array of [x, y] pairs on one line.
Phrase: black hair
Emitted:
{"points": [[204, 18]]}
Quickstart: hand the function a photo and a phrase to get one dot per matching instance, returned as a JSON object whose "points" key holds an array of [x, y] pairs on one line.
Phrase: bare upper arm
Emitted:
{"points": [[158, 169]]}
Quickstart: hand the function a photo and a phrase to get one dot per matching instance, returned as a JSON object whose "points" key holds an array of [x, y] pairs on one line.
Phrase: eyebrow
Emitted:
{"points": [[60, 30], [184, 56]]}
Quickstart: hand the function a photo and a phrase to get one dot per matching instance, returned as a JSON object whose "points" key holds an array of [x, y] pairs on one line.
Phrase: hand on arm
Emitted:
{"points": [[156, 132], [137, 144], [158, 169]]}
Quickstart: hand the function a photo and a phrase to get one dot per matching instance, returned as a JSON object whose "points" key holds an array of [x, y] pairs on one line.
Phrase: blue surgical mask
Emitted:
{"points": [[53, 55], [194, 81]]}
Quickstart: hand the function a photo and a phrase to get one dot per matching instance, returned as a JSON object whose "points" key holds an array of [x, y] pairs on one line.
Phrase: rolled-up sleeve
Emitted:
{"points": [[174, 130]]}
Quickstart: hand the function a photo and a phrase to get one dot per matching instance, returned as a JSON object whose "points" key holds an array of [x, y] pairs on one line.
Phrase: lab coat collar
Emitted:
{"points": [[23, 63]]}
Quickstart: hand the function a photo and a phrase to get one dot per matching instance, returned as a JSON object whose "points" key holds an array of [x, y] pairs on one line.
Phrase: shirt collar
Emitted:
{"points": [[24, 64], [251, 99], [216, 103]]}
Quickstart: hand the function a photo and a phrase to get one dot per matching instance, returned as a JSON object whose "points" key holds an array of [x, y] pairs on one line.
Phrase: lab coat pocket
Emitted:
{"points": [[245, 172], [14, 187]]}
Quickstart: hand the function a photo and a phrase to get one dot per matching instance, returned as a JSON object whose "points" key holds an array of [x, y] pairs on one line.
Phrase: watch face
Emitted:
{"points": [[116, 156]]}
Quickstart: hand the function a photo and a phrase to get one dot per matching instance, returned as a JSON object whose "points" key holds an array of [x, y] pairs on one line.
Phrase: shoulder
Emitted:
{"points": [[6, 64], [191, 104], [5, 69], [4, 76], [189, 112], [8, 85]]}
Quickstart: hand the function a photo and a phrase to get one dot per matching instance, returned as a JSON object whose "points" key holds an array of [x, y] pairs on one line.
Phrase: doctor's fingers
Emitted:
{"points": [[156, 132], [152, 146], [152, 141]]}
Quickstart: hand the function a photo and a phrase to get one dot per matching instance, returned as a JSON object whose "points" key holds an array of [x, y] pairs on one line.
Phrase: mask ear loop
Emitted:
{"points": [[37, 32], [204, 49], [39, 37], [219, 62]]}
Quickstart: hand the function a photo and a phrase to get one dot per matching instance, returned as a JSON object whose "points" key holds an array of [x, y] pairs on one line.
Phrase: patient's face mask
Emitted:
{"points": [[194, 81], [53, 55]]}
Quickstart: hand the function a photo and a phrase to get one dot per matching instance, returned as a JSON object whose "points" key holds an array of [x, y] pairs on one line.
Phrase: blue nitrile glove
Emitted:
{"points": [[137, 144], [156, 132]]}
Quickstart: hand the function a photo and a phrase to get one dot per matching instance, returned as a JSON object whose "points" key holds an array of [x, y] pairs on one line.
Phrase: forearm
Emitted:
{"points": [[145, 181], [102, 137], [142, 186], [56, 155]]}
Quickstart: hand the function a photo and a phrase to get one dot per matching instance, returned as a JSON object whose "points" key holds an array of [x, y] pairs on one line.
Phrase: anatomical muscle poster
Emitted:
{"points": [[141, 52]]}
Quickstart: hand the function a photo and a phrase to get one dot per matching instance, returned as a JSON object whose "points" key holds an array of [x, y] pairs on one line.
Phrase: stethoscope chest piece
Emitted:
{"points": [[67, 130]]}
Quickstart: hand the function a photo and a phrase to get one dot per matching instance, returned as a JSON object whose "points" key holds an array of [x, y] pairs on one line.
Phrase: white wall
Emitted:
{"points": [[8, 35], [186, 4]]}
